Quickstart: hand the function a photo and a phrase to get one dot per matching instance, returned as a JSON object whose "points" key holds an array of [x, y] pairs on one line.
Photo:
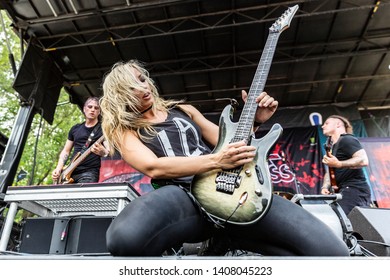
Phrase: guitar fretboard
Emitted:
{"points": [[245, 123]]}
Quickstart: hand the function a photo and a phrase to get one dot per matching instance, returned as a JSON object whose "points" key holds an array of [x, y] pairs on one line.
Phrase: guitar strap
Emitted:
{"points": [[90, 138]]}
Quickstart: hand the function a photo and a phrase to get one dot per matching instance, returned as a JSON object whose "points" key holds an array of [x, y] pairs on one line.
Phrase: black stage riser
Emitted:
{"points": [[68, 235], [372, 224]]}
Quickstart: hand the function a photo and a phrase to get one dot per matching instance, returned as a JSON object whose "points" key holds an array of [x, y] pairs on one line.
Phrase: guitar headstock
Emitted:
{"points": [[283, 22]]}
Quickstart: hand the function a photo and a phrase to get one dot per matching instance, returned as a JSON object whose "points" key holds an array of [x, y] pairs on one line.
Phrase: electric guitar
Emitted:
{"points": [[243, 195], [328, 148], [65, 176]]}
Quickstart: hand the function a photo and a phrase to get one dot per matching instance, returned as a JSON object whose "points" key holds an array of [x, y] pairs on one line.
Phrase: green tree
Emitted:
{"points": [[8, 98], [45, 141]]}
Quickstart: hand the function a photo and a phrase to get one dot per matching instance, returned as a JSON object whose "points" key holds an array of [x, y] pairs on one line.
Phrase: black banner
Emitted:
{"points": [[295, 162]]}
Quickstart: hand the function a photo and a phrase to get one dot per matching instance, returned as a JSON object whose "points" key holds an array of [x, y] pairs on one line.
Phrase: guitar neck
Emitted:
{"points": [[244, 128], [332, 174], [328, 149], [245, 124]]}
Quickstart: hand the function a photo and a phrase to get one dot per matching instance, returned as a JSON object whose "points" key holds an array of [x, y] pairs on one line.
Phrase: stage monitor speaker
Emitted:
{"points": [[68, 235], [43, 236], [372, 224], [323, 211], [87, 235]]}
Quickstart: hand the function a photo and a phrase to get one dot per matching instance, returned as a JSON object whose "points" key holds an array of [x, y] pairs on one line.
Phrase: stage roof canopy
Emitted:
{"points": [[206, 52]]}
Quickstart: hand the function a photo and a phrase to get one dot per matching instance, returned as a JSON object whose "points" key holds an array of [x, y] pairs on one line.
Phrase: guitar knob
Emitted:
{"points": [[248, 172], [258, 192]]}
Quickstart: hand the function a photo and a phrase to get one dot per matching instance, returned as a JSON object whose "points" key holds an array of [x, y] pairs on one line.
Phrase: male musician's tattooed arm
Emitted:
{"points": [[326, 183], [65, 158], [64, 155], [358, 160], [62, 159]]}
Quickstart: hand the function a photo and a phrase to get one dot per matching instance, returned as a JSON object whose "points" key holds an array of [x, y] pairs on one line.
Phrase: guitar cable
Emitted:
{"points": [[241, 201], [216, 222], [65, 230]]}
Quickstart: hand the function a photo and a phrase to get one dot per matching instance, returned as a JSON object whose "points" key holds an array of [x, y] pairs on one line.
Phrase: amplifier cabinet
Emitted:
{"points": [[65, 235], [44, 236]]}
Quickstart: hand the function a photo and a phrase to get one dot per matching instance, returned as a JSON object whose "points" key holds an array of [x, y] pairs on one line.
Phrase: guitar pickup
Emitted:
{"points": [[225, 188], [227, 182]]}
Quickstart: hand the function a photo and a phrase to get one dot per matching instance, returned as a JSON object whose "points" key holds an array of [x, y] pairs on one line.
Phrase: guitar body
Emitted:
{"points": [[65, 176], [65, 180], [333, 186], [332, 173], [255, 184]]}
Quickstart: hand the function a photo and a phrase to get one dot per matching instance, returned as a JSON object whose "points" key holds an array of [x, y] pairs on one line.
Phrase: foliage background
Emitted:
{"points": [[45, 141]]}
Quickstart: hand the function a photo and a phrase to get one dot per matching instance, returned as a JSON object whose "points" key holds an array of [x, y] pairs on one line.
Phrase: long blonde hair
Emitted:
{"points": [[120, 107]]}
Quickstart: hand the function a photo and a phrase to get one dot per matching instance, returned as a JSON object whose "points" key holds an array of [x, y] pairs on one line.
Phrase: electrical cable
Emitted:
{"points": [[374, 242]]}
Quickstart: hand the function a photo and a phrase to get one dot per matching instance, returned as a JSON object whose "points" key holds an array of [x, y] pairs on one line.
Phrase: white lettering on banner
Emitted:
{"points": [[281, 173]]}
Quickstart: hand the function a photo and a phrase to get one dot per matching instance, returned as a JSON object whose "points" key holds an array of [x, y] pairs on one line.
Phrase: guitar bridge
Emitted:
{"points": [[227, 182]]}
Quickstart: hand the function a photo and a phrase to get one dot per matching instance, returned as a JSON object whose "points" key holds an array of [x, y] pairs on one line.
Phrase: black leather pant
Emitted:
{"points": [[168, 217]]}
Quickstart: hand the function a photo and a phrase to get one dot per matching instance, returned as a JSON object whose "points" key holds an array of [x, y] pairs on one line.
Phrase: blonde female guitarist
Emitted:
{"points": [[85, 140], [166, 140], [346, 161]]}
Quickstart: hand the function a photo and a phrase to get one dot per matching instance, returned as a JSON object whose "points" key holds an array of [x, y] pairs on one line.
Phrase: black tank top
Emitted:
{"points": [[178, 135]]}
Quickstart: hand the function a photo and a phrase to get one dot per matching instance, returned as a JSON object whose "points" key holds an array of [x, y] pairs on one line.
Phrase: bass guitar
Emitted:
{"points": [[332, 176], [243, 195], [65, 176]]}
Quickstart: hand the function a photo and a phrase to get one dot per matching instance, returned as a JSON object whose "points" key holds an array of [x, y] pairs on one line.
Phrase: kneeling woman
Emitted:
{"points": [[170, 141]]}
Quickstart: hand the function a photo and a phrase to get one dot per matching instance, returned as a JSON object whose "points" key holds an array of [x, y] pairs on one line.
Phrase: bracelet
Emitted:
{"points": [[106, 154]]}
